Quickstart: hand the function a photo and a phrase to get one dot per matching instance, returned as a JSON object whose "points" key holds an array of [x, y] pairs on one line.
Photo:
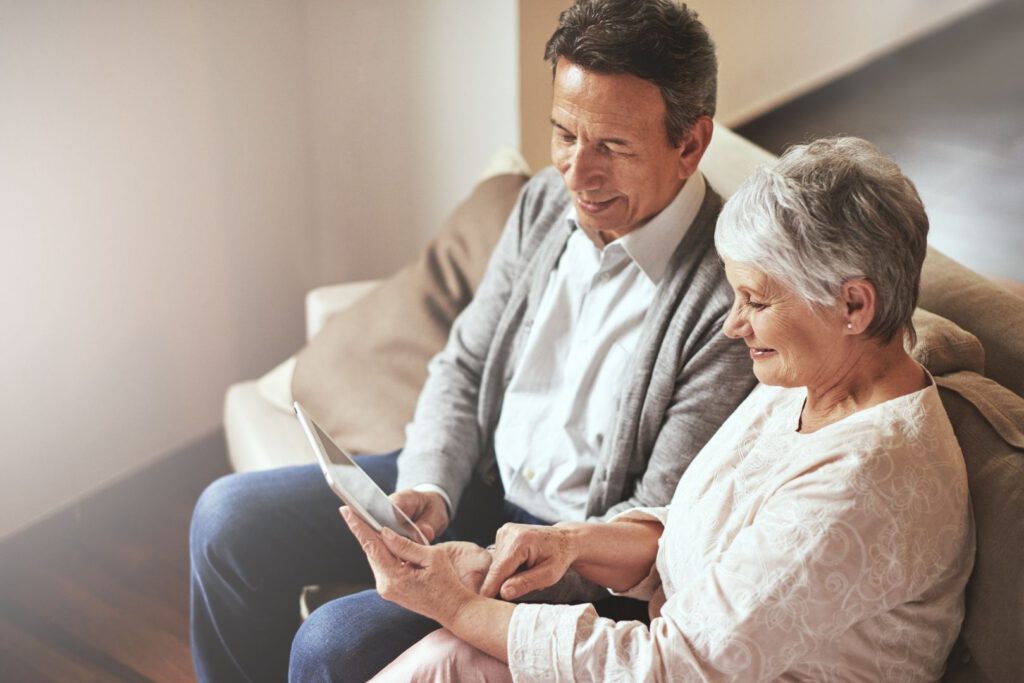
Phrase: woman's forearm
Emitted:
{"points": [[617, 555], [483, 623]]}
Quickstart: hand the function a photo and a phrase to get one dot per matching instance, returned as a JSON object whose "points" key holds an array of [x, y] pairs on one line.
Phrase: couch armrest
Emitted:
{"points": [[323, 302], [258, 421]]}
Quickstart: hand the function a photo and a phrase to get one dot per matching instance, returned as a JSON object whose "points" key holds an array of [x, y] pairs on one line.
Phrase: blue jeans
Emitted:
{"points": [[257, 538]]}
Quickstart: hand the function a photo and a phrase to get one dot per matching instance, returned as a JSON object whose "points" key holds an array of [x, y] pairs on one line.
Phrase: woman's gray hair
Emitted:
{"points": [[827, 212]]}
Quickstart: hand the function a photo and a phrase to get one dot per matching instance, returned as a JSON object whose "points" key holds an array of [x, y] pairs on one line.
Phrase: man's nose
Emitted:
{"points": [[584, 171]]}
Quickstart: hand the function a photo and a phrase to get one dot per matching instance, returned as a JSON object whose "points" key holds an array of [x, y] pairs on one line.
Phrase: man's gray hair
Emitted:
{"points": [[660, 41], [827, 212]]}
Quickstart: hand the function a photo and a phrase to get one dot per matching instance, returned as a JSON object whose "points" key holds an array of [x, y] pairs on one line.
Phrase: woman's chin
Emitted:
{"points": [[767, 375]]}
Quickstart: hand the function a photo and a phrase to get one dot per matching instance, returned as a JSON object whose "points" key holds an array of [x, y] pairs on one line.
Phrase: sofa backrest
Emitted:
{"points": [[989, 312], [987, 414]]}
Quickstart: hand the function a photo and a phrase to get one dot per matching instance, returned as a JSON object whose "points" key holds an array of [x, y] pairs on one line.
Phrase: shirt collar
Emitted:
{"points": [[652, 245]]}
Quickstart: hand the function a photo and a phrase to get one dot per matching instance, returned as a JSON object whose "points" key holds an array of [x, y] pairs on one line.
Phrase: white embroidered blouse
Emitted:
{"points": [[836, 555]]}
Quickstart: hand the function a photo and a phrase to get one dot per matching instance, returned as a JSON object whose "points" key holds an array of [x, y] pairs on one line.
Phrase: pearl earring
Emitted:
{"points": [[849, 326]]}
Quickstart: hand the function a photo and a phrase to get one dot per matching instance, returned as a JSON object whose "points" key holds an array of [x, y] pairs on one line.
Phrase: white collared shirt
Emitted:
{"points": [[563, 397]]}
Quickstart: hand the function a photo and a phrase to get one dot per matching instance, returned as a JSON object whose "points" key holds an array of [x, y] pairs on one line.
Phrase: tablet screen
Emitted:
{"points": [[355, 487]]}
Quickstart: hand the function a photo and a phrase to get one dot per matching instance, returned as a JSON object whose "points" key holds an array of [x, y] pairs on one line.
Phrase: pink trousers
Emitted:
{"points": [[443, 658]]}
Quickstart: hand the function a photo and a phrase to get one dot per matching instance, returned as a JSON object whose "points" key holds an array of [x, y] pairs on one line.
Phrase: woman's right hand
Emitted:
{"points": [[616, 555], [528, 558]]}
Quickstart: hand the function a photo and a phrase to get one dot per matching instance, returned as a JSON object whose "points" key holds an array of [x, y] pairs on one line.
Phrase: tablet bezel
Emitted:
{"points": [[313, 431]]}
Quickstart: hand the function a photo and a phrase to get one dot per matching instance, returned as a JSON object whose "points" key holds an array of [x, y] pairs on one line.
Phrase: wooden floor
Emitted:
{"points": [[106, 598], [950, 110], [109, 600]]}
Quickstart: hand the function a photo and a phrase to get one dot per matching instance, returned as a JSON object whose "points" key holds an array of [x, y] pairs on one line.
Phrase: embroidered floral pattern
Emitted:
{"points": [[830, 556]]}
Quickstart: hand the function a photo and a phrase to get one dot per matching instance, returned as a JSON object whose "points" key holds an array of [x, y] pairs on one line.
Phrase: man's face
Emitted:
{"points": [[608, 141]]}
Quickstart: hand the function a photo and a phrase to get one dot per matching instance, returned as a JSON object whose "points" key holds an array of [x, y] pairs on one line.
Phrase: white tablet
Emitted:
{"points": [[353, 485]]}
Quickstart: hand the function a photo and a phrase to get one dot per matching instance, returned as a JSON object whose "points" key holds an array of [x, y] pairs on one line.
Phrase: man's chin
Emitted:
{"points": [[600, 225]]}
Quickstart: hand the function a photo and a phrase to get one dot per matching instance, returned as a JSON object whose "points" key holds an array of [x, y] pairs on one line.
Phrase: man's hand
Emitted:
{"points": [[546, 552], [427, 510]]}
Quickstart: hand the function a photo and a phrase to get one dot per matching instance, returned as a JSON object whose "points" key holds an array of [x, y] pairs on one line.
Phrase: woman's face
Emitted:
{"points": [[791, 343]]}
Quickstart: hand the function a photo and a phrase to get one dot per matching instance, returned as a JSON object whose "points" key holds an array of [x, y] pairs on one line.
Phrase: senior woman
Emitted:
{"points": [[824, 533]]}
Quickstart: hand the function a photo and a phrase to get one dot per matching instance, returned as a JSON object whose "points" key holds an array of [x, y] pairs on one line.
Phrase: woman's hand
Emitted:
{"points": [[617, 555], [545, 552], [470, 561], [438, 582], [435, 581]]}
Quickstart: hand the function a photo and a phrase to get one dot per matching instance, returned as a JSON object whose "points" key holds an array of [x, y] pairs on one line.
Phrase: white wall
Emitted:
{"points": [[174, 176], [771, 52], [408, 100]]}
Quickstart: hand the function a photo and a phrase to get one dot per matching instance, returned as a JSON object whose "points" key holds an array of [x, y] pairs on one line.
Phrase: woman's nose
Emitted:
{"points": [[735, 325]]}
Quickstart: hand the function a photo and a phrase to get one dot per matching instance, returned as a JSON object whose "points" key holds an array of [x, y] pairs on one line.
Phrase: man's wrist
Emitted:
{"points": [[433, 488]]}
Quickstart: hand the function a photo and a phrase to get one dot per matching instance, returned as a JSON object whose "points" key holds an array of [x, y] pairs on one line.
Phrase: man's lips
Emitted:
{"points": [[759, 353], [591, 206]]}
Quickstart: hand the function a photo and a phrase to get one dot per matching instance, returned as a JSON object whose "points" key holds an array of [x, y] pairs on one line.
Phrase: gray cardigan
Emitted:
{"points": [[685, 377]]}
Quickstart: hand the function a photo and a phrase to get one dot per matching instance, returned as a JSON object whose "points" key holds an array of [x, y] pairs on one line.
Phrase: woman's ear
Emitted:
{"points": [[859, 299]]}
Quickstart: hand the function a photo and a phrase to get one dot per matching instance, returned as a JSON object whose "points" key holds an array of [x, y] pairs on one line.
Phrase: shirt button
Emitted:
{"points": [[529, 474], [605, 277]]}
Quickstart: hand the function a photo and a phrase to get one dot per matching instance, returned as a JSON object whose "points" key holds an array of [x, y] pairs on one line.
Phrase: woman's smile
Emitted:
{"points": [[761, 353]]}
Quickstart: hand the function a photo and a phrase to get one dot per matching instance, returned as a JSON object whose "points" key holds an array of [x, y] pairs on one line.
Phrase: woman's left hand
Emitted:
{"points": [[434, 581]]}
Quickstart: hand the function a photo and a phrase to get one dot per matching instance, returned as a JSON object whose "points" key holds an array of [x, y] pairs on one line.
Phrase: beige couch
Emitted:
{"points": [[370, 342]]}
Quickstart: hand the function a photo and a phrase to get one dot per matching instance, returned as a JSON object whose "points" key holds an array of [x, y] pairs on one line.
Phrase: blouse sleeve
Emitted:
{"points": [[827, 549], [650, 584]]}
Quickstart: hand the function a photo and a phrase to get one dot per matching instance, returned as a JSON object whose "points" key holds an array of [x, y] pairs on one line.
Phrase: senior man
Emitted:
{"points": [[580, 381]]}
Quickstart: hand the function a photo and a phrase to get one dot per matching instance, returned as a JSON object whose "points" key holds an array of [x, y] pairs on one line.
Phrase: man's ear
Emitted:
{"points": [[860, 298], [693, 145]]}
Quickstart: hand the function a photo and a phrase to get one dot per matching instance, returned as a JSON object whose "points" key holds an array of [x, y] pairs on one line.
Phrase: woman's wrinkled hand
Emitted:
{"points": [[434, 581], [470, 561], [528, 558]]}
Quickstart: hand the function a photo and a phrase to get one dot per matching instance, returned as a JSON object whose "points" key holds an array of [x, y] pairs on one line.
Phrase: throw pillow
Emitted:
{"points": [[361, 375], [943, 347]]}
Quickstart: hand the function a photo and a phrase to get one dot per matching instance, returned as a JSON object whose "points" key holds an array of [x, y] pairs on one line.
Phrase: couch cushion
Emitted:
{"points": [[988, 420], [361, 375], [990, 641]]}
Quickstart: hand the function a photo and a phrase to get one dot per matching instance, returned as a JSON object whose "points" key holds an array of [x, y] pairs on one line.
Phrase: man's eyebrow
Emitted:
{"points": [[614, 141], [559, 126]]}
